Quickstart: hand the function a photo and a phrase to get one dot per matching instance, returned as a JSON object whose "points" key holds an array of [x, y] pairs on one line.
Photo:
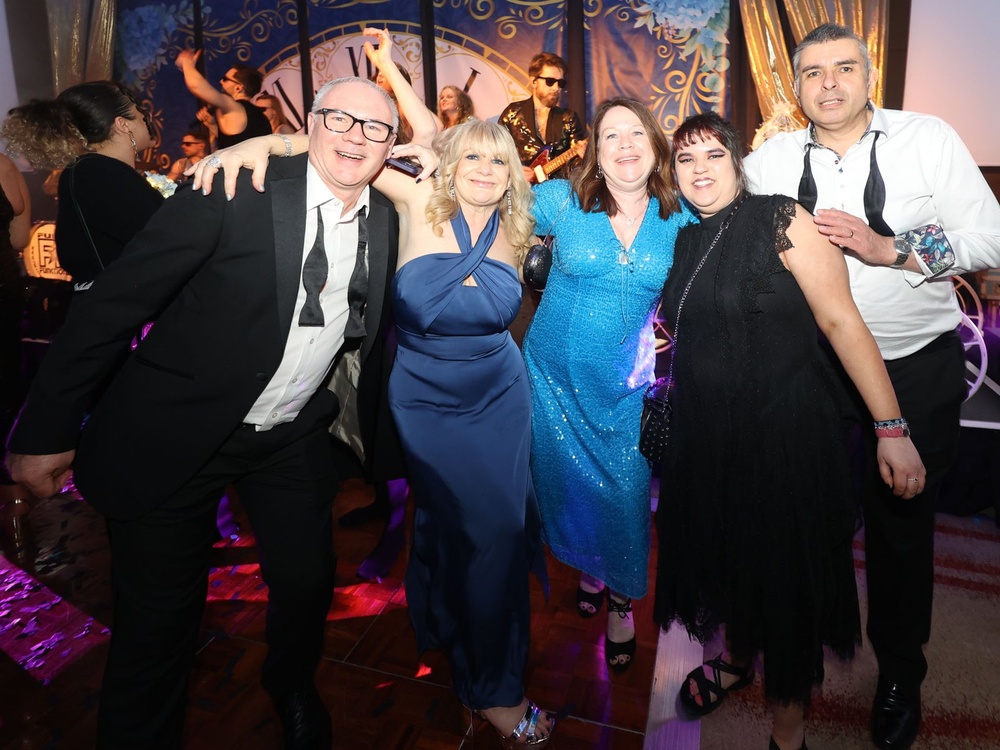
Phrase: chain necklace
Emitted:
{"points": [[631, 220]]}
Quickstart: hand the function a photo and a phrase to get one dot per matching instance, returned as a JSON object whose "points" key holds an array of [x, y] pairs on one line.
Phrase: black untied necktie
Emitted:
{"points": [[874, 190], [357, 289], [314, 275]]}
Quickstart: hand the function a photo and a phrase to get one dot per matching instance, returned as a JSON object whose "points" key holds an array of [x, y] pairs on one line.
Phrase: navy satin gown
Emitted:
{"points": [[459, 394]]}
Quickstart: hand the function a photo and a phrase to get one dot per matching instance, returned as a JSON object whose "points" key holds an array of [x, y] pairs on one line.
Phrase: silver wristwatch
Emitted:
{"points": [[903, 250]]}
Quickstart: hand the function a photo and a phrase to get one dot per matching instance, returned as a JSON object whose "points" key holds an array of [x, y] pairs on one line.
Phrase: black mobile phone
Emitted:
{"points": [[404, 165]]}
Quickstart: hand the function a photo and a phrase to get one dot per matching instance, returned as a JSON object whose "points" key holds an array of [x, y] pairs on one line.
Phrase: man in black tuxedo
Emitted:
{"points": [[251, 309]]}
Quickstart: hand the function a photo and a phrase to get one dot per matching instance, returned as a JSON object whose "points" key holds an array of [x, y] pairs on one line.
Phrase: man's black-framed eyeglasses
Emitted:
{"points": [[230, 79], [552, 81], [338, 121]]}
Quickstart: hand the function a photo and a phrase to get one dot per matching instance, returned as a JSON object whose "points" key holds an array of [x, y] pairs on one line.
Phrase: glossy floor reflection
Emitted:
{"points": [[55, 612]]}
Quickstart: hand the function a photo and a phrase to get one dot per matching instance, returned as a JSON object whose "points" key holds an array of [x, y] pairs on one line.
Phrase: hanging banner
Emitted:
{"points": [[671, 54]]}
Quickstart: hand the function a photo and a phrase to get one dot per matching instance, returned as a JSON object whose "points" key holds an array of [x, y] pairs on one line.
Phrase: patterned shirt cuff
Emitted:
{"points": [[932, 248]]}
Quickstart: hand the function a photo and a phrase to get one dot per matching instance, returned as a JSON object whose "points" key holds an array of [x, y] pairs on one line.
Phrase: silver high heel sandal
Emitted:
{"points": [[524, 734]]}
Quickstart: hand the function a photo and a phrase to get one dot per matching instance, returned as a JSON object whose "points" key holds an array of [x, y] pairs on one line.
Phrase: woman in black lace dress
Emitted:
{"points": [[755, 517]]}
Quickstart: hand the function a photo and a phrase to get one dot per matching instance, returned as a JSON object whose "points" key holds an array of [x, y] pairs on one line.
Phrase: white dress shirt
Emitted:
{"points": [[930, 178], [309, 351]]}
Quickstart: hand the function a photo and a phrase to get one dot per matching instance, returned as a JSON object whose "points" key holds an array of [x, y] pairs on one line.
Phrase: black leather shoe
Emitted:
{"points": [[305, 721], [895, 715]]}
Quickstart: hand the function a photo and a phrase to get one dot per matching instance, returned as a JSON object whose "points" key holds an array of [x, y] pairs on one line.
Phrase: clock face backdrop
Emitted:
{"points": [[490, 79], [670, 54]]}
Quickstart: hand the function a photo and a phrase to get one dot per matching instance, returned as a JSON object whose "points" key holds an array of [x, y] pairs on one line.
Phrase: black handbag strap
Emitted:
{"points": [[79, 213], [687, 288]]}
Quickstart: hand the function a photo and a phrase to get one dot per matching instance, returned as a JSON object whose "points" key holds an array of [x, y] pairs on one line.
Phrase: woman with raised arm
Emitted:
{"points": [[756, 514], [454, 106], [460, 397]]}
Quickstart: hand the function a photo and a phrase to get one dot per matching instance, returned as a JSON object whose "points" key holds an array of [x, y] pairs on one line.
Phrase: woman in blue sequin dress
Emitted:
{"points": [[590, 354]]}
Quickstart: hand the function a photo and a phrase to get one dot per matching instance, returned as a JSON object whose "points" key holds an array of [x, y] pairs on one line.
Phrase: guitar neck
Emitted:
{"points": [[554, 164]]}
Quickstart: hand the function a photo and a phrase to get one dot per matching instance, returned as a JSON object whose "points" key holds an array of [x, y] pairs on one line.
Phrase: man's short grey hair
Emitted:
{"points": [[327, 87], [831, 32]]}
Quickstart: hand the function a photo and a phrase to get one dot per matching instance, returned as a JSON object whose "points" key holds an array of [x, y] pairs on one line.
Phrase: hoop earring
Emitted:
{"points": [[510, 203]]}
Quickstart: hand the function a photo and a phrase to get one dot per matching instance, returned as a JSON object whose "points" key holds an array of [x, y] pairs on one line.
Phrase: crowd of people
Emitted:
{"points": [[316, 292]]}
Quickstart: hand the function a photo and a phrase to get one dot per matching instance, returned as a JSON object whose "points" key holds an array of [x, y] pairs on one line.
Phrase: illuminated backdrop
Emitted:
{"points": [[672, 54]]}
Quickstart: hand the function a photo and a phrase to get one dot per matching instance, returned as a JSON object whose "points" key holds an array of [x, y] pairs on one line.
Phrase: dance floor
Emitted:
{"points": [[55, 615]]}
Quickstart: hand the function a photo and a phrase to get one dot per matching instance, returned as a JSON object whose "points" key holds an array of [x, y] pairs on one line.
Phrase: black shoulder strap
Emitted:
{"points": [[79, 213]]}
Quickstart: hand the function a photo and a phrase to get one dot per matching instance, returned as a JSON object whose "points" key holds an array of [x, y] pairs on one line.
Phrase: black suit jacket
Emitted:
{"points": [[220, 278]]}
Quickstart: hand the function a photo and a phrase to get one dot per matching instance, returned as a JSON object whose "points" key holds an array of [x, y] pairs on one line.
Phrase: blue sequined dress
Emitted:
{"points": [[590, 354], [460, 397]]}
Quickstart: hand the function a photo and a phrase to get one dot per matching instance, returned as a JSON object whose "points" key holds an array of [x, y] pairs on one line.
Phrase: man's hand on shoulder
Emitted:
{"points": [[43, 475]]}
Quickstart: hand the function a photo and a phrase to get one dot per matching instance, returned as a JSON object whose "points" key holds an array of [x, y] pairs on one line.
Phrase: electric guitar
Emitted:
{"points": [[543, 166]]}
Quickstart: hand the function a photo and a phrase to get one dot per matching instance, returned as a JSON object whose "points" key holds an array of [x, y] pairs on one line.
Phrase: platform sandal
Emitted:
{"points": [[709, 687], [588, 603], [613, 652]]}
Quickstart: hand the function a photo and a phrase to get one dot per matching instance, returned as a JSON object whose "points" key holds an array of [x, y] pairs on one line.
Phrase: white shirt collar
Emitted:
{"points": [[319, 194]]}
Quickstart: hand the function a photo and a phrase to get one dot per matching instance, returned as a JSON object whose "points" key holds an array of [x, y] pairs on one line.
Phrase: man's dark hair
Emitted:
{"points": [[249, 78], [542, 59], [831, 32]]}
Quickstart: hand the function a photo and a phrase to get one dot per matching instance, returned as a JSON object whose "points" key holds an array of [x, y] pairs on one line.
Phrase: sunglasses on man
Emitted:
{"points": [[552, 81]]}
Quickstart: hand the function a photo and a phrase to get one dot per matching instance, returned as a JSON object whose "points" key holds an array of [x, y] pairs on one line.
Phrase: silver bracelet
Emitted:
{"points": [[288, 144]]}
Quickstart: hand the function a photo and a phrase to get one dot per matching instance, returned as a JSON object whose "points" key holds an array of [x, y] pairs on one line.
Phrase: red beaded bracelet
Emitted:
{"points": [[892, 428]]}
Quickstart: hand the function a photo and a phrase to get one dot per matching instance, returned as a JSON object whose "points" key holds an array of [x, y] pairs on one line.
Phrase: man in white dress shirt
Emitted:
{"points": [[253, 297], [900, 193]]}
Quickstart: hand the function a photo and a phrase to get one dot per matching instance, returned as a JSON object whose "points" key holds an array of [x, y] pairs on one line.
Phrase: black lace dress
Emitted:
{"points": [[755, 516]]}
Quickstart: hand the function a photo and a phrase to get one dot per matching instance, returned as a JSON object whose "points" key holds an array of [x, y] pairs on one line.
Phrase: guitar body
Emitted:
{"points": [[542, 165]]}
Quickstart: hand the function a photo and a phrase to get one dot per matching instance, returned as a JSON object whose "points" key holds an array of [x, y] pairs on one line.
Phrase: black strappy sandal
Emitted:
{"points": [[588, 603], [613, 651], [709, 687]]}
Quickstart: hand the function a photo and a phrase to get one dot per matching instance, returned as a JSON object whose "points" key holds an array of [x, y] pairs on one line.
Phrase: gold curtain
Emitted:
{"points": [[81, 33], [771, 64]]}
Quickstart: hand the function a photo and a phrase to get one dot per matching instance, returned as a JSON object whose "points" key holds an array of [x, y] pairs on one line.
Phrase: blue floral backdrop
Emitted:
{"points": [[672, 54]]}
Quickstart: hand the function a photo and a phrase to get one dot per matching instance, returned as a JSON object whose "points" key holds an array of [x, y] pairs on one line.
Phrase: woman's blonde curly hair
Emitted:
{"points": [[491, 141]]}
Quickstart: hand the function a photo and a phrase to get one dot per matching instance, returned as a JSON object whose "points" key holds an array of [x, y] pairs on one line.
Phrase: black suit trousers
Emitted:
{"points": [[899, 534], [286, 484]]}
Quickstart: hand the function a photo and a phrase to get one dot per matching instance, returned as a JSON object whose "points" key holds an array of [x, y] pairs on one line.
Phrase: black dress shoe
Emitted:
{"points": [[895, 715], [304, 720]]}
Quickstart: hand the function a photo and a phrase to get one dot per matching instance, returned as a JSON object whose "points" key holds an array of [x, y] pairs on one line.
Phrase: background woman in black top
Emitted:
{"points": [[94, 132]]}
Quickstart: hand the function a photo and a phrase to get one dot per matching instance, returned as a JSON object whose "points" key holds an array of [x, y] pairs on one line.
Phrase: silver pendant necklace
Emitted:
{"points": [[631, 220]]}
